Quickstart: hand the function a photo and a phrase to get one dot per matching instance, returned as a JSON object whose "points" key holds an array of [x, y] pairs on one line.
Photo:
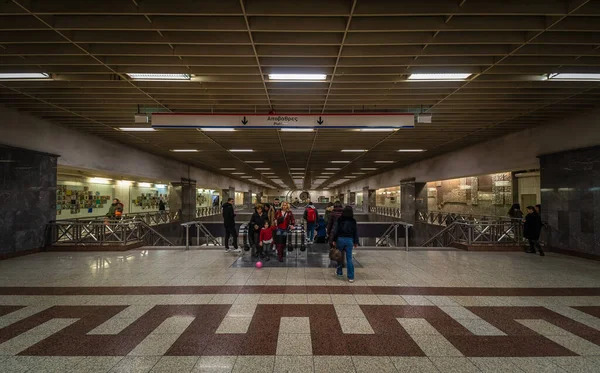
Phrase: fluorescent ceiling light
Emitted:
{"points": [[99, 180], [411, 150], [184, 150], [247, 177], [333, 169], [368, 169], [384, 161], [268, 173], [354, 150], [218, 129], [297, 130], [160, 186], [377, 129], [327, 173], [241, 150], [144, 76], [297, 169], [339, 161], [227, 169], [358, 173], [144, 185], [262, 169], [238, 173], [350, 177], [24, 76], [255, 161], [575, 76], [297, 76], [124, 182], [450, 76], [137, 129]]}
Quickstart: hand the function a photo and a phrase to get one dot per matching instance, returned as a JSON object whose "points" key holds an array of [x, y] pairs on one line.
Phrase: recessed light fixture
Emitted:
{"points": [[255, 161], [358, 173], [137, 129], [184, 150], [384, 161], [327, 173], [144, 76], [350, 177], [354, 150], [227, 169], [333, 169], [368, 169], [99, 180], [144, 185], [377, 129], [160, 186], [297, 76], [218, 129], [241, 150], [297, 130], [297, 169], [434, 77], [268, 173], [24, 76], [247, 177], [575, 76], [262, 169], [339, 161], [124, 182], [238, 173], [411, 150]]}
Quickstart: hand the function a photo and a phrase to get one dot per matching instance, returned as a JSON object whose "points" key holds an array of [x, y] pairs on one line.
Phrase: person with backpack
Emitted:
{"points": [[310, 216], [345, 238]]}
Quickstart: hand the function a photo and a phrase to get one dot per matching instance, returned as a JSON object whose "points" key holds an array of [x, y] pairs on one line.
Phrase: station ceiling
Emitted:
{"points": [[367, 49]]}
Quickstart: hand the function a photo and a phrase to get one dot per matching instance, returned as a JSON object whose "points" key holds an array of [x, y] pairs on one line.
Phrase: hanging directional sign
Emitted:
{"points": [[370, 120]]}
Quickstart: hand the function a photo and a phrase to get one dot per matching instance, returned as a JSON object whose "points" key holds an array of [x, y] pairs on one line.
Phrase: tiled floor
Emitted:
{"points": [[178, 311]]}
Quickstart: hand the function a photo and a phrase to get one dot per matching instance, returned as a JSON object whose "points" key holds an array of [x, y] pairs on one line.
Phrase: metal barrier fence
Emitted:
{"points": [[97, 233], [202, 212], [478, 232], [386, 211], [447, 218], [150, 217]]}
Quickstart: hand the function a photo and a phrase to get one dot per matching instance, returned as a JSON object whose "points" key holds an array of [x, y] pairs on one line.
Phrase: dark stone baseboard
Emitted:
{"points": [[17, 254]]}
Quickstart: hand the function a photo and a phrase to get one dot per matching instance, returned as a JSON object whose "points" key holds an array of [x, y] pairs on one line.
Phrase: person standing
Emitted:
{"points": [[310, 216], [229, 222], [285, 220], [515, 211], [270, 213], [345, 238], [161, 205], [532, 230], [333, 216], [328, 211], [257, 221], [116, 210], [266, 239]]}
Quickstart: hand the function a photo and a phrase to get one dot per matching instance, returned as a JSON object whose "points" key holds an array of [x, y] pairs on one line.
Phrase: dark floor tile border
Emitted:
{"points": [[376, 290]]}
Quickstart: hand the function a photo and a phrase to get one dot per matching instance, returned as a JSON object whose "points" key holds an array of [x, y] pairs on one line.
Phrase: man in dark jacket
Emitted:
{"points": [[229, 222], [333, 217], [532, 230], [257, 222]]}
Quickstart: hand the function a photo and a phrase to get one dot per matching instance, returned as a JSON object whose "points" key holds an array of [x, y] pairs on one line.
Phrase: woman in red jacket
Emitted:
{"points": [[284, 220]]}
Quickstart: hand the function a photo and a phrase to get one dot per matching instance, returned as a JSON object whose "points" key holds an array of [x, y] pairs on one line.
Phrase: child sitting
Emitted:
{"points": [[321, 230], [266, 240]]}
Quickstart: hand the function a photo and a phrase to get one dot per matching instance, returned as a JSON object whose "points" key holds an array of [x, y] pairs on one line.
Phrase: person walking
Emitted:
{"points": [[229, 222], [257, 221], [345, 238], [532, 230], [336, 212], [515, 211], [310, 216], [328, 211], [285, 220]]}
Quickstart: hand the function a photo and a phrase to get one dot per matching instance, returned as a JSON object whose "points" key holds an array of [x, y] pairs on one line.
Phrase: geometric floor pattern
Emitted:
{"points": [[248, 320]]}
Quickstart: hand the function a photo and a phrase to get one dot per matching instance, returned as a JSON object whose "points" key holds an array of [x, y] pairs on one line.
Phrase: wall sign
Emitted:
{"points": [[371, 120]]}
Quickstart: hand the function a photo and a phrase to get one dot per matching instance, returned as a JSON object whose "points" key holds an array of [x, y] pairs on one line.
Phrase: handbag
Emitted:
{"points": [[335, 254]]}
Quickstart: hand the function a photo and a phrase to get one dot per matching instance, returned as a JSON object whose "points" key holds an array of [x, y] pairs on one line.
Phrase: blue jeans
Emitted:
{"points": [[310, 234], [346, 244]]}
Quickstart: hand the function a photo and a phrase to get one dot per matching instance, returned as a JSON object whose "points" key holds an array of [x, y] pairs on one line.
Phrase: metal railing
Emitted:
{"points": [[478, 232], [149, 217], [97, 233], [447, 218], [202, 212], [386, 211], [386, 238]]}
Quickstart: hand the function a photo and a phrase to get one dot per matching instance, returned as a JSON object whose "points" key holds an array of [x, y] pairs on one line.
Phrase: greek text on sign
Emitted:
{"points": [[372, 120]]}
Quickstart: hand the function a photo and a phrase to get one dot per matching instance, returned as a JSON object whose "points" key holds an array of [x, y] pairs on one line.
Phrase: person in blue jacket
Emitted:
{"points": [[321, 230]]}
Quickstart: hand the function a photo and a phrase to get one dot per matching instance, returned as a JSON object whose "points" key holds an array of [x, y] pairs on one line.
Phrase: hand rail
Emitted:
{"points": [[149, 217], [470, 232], [447, 218], [386, 211], [111, 232]]}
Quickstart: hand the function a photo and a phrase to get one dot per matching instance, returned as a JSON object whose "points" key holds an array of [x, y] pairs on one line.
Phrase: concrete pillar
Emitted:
{"points": [[248, 198], [183, 199], [407, 200], [369, 199]]}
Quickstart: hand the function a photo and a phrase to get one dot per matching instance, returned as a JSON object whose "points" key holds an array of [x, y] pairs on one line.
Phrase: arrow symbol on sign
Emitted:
{"points": [[320, 121], [244, 121]]}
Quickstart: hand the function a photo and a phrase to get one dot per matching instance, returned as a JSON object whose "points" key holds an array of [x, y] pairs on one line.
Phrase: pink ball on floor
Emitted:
{"points": [[258, 264]]}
